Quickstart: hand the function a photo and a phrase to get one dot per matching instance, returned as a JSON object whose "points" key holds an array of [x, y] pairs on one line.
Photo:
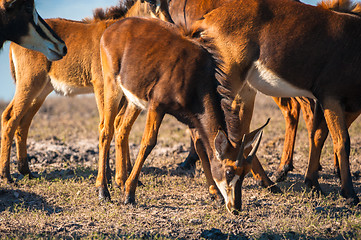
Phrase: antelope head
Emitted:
{"points": [[228, 173], [21, 23], [160, 9]]}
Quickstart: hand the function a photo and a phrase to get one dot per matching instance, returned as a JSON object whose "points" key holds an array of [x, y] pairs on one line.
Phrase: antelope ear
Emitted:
{"points": [[252, 137], [220, 143]]}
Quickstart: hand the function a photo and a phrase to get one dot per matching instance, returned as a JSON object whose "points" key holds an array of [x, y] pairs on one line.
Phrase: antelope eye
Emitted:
{"points": [[229, 176]]}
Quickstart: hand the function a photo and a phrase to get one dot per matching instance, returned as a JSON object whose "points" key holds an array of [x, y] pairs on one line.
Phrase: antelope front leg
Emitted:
{"points": [[21, 134], [191, 159], [112, 97], [124, 123], [149, 140], [318, 132], [199, 148], [291, 113], [335, 118]]}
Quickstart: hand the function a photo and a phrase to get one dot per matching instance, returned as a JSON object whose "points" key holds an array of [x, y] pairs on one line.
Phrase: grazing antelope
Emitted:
{"points": [[286, 49], [20, 23], [185, 14], [136, 63], [77, 73]]}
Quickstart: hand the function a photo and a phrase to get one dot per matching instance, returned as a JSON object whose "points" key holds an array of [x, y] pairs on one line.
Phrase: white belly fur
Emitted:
{"points": [[62, 88], [267, 82]]}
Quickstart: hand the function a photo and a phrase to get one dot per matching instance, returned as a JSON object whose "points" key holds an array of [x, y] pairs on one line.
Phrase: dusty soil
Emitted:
{"points": [[172, 204]]}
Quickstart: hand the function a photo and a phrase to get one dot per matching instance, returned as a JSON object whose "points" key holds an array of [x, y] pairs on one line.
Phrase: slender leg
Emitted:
{"points": [[199, 147], [124, 123], [11, 117], [291, 112], [21, 134], [149, 140], [112, 97], [336, 122], [317, 138], [190, 161]]}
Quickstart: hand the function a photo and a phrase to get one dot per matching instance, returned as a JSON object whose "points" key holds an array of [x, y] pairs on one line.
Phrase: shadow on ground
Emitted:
{"points": [[17, 200]]}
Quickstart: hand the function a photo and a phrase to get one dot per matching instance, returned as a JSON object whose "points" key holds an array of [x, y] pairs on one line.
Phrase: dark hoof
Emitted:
{"points": [[104, 195], [189, 163], [129, 199], [352, 201], [274, 189], [351, 198], [140, 184], [280, 176], [320, 168], [314, 186], [33, 175]]}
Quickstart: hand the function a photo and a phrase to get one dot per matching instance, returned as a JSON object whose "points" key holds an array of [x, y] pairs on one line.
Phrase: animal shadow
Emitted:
{"points": [[17, 200]]}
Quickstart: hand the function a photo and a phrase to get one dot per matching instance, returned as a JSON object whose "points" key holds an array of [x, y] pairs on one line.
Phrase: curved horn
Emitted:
{"points": [[241, 149], [254, 150], [247, 141]]}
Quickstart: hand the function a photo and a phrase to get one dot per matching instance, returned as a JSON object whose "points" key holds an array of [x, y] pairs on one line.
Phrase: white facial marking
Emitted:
{"points": [[140, 103], [35, 16], [62, 88], [35, 42], [267, 82], [222, 186]]}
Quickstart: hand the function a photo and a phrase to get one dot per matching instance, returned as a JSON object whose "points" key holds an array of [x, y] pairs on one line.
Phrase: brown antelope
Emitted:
{"points": [[286, 49], [77, 73], [185, 14], [136, 62], [20, 23]]}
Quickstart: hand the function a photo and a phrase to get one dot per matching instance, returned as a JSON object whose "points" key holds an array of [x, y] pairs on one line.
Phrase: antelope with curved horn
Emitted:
{"points": [[284, 48], [79, 72], [185, 14], [21, 23], [137, 64]]}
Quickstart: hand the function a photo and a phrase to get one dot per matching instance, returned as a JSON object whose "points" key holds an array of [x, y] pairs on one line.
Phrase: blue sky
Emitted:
{"points": [[71, 9]]}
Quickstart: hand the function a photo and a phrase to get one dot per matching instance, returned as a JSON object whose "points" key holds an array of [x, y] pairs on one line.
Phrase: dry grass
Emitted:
{"points": [[172, 204]]}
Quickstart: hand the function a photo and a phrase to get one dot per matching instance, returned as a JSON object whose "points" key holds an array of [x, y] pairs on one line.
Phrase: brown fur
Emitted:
{"points": [[138, 65], [79, 72], [314, 49]]}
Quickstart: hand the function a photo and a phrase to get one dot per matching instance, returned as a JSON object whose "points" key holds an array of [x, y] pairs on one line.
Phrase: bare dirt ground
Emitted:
{"points": [[172, 204]]}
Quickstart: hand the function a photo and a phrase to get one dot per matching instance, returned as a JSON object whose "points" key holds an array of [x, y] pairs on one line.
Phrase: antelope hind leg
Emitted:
{"points": [[337, 124], [291, 111], [149, 140]]}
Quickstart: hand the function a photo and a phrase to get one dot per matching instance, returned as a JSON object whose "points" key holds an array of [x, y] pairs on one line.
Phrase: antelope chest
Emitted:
{"points": [[267, 82]]}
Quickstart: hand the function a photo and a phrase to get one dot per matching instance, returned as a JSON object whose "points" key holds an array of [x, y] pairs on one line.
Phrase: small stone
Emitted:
{"points": [[16, 194], [195, 221]]}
